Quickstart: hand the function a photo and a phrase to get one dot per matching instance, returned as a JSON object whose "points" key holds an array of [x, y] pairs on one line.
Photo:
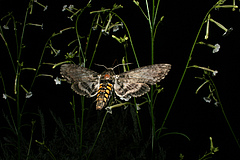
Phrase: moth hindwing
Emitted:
{"points": [[133, 83]]}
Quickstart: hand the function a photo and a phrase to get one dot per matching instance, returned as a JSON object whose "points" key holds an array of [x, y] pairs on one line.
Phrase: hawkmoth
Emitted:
{"points": [[133, 83]]}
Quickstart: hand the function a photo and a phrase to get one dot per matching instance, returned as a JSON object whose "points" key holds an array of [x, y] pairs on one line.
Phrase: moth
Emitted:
{"points": [[133, 83]]}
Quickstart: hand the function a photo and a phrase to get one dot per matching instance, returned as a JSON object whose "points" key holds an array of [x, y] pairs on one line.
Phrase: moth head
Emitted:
{"points": [[108, 74]]}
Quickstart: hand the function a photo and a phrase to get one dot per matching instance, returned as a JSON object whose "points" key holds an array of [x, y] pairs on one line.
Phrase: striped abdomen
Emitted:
{"points": [[103, 95]]}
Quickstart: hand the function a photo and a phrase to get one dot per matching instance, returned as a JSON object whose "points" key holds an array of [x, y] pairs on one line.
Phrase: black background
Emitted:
{"points": [[190, 114]]}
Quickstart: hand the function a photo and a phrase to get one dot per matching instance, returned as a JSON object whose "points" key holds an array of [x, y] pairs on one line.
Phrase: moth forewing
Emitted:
{"points": [[133, 83]]}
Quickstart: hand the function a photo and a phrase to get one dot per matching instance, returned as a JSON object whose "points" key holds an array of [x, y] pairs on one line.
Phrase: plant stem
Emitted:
{"points": [[186, 67]]}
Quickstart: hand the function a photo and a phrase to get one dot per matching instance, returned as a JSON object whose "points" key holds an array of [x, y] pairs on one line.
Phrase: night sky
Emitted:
{"points": [[190, 114]]}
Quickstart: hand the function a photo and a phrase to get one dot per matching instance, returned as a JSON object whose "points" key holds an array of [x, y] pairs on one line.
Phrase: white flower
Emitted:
{"points": [[29, 94], [57, 81], [5, 27], [45, 8], [4, 96], [216, 104], [64, 8], [105, 32], [216, 48], [109, 110], [214, 73], [138, 107], [95, 27], [115, 28], [71, 7], [207, 99], [70, 18], [121, 24], [57, 53]]}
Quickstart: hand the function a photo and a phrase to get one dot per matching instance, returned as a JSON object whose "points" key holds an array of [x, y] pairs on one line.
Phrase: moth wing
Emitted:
{"points": [[148, 74], [127, 90], [84, 81], [133, 82]]}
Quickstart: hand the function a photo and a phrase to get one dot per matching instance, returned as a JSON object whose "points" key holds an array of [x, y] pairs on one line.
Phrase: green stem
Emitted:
{"points": [[9, 52], [185, 70], [19, 115], [75, 118], [81, 129], [130, 38], [99, 132], [223, 112]]}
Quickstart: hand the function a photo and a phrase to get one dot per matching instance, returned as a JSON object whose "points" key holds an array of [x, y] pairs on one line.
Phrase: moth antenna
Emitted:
{"points": [[113, 67], [101, 65], [121, 65]]}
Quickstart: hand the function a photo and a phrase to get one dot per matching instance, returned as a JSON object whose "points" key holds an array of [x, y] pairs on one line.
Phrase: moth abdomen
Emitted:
{"points": [[103, 95]]}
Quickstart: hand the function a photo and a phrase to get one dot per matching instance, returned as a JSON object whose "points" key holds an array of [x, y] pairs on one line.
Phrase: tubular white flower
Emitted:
{"points": [[216, 48], [64, 8], [207, 99], [215, 73], [4, 96], [29, 94], [57, 81], [5, 27]]}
